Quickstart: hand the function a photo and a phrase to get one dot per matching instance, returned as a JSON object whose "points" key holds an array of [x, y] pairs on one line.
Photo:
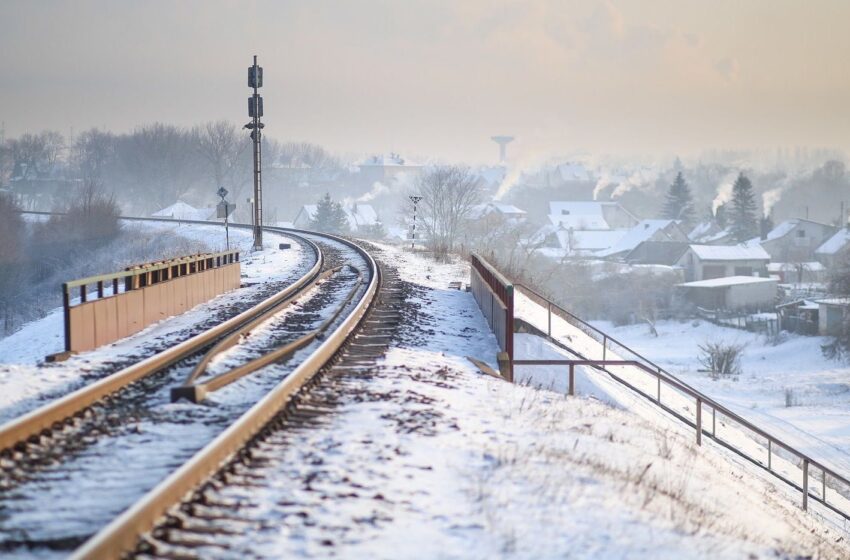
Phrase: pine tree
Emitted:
{"points": [[330, 216], [679, 204], [743, 218]]}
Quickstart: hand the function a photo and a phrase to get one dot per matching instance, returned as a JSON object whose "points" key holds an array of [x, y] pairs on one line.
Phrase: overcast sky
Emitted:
{"points": [[439, 78]]}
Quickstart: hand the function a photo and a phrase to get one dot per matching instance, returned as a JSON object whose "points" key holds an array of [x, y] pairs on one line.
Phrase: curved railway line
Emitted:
{"points": [[335, 318]]}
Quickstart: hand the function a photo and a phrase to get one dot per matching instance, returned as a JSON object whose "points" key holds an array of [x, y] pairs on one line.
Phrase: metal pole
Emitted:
{"points": [[699, 421], [805, 484], [572, 387]]}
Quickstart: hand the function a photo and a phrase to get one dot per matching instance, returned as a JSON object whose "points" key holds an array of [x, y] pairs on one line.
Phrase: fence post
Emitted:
{"points": [[699, 421], [769, 453], [66, 305], [572, 386], [604, 345], [549, 332], [805, 484]]}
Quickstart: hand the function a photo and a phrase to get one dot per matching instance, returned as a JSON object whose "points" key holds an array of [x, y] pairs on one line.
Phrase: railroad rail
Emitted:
{"points": [[123, 533], [334, 334], [53, 415]]}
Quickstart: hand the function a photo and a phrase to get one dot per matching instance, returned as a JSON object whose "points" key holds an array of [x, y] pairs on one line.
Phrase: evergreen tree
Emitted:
{"points": [[743, 218], [330, 216], [679, 204]]}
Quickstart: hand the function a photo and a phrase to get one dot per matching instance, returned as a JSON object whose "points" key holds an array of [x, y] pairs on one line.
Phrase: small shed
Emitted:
{"points": [[799, 316], [731, 293], [833, 312]]}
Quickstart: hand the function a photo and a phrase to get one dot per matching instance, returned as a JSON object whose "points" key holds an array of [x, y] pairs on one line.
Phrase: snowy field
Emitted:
{"points": [[788, 388], [25, 382], [433, 459]]}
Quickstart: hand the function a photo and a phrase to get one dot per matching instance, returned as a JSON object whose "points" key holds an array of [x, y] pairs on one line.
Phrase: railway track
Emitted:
{"points": [[92, 439]]}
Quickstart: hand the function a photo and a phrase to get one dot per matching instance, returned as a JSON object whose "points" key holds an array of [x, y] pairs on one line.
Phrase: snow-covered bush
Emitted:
{"points": [[721, 358]]}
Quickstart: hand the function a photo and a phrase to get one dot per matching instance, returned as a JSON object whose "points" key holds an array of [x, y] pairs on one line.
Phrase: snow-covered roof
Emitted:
{"points": [[644, 230], [728, 281], [781, 230], [361, 215], [573, 172], [730, 252], [579, 221], [842, 301], [702, 229], [836, 243], [481, 210], [182, 211]]}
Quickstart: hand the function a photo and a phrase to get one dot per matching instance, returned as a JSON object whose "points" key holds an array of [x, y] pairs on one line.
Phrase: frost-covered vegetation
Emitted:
{"points": [[38, 255]]}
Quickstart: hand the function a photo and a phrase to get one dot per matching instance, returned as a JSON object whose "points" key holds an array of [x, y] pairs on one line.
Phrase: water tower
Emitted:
{"points": [[503, 142]]}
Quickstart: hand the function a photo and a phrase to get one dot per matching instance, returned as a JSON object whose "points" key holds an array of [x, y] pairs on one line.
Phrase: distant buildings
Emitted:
{"points": [[705, 262], [796, 240], [386, 168], [834, 249], [360, 217]]}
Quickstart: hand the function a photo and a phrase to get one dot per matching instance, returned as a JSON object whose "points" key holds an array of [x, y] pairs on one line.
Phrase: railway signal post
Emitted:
{"points": [[255, 111]]}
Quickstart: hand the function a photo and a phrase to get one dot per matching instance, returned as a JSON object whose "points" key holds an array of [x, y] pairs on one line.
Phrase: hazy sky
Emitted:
{"points": [[439, 78]]}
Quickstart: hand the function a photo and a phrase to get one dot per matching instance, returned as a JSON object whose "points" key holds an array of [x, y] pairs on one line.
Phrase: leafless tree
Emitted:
{"points": [[92, 153], [449, 194], [299, 154], [35, 154], [225, 150]]}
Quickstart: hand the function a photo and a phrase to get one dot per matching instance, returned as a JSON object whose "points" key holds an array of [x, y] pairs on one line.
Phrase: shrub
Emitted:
{"points": [[721, 358]]}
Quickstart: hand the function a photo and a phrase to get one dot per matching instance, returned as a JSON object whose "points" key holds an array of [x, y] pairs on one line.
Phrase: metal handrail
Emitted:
{"points": [[661, 374], [137, 270]]}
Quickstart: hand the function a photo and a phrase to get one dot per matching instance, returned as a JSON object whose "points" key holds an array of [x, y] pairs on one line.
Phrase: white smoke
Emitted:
{"points": [[604, 181], [637, 180], [378, 188], [770, 198], [724, 192], [510, 181]]}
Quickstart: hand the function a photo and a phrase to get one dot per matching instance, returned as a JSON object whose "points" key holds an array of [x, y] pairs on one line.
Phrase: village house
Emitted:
{"points": [[360, 217], [795, 241], [704, 262], [647, 230], [834, 249], [733, 293], [386, 168], [590, 215]]}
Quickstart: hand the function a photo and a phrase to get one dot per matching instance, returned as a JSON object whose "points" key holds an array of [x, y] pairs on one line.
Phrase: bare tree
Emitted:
{"points": [[35, 154], [449, 194], [224, 148], [92, 153]]}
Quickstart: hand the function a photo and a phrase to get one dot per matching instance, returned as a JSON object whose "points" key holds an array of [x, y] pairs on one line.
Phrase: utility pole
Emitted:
{"points": [[415, 200], [255, 111]]}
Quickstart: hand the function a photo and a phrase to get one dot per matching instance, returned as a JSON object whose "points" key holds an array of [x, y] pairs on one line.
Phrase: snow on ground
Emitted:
{"points": [[25, 382], [789, 388], [429, 458]]}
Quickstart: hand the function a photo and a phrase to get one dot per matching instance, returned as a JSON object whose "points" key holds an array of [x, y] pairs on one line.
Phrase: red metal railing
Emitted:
{"points": [[794, 467], [495, 296]]}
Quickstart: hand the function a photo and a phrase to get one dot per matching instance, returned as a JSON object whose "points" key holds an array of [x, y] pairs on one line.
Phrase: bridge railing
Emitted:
{"points": [[812, 478], [495, 297], [104, 308]]}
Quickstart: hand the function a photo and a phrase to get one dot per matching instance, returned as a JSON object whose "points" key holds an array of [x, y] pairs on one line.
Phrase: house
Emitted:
{"points": [[665, 253], [704, 262], [557, 242], [834, 249], [646, 230], [731, 293], [386, 168], [593, 215], [710, 233], [796, 240], [182, 211], [508, 212], [832, 314]]}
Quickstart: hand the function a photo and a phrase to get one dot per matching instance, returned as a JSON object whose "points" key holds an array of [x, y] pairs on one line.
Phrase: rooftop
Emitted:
{"points": [[728, 281]]}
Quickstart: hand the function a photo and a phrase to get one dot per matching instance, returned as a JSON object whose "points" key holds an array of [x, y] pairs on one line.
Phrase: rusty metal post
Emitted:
{"points": [[769, 453], [572, 386], [66, 305], [805, 484], [509, 323], [699, 421]]}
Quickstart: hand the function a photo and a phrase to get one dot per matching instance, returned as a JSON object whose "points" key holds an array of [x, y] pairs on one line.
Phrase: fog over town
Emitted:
{"points": [[666, 183]]}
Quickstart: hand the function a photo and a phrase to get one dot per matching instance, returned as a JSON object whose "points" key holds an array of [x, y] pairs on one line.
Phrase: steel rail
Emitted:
{"points": [[54, 413], [122, 534], [197, 392]]}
